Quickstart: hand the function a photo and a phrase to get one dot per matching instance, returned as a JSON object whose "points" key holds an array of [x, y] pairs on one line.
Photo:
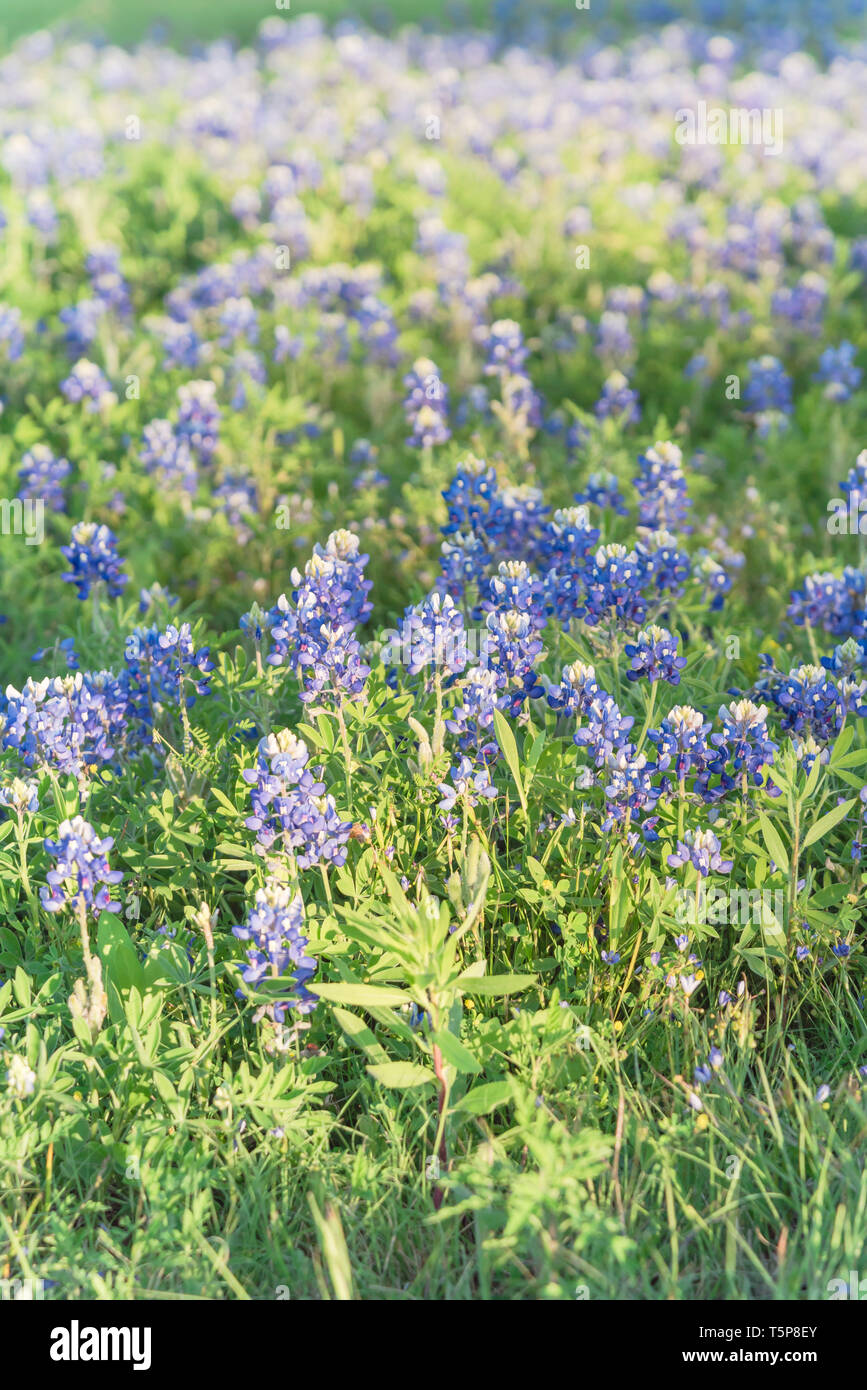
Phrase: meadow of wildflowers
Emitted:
{"points": [[433, 607]]}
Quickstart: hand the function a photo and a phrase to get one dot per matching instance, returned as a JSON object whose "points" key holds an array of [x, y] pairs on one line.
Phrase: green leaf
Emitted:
{"points": [[402, 1075], [21, 987], [118, 955], [481, 1100], [455, 1054], [358, 1033], [827, 822], [362, 996], [776, 848], [493, 985], [506, 740]]}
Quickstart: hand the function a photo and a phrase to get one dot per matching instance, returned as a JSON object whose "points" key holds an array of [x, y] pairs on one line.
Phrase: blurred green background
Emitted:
{"points": [[126, 21]]}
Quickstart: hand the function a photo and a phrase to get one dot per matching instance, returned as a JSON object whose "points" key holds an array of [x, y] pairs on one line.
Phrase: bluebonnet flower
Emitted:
{"points": [[807, 750], [577, 690], [618, 400], [154, 597], [70, 724], [93, 559], [433, 635], [377, 330], [238, 319], [511, 652], [245, 373], [715, 579], [238, 499], [768, 396], [20, 1076], [162, 667], [834, 603], [562, 549], [807, 698], [42, 215], [87, 383], [613, 581], [701, 848], [577, 438], [857, 849], [841, 950], [181, 345], [278, 951], [629, 788], [803, 304], [743, 742], [855, 486], [199, 418], [698, 367], [363, 451], [20, 796], [603, 490], [42, 475], [469, 783], [426, 405], [681, 742], [853, 697], [661, 486], [331, 669], [168, 456], [503, 343], [664, 566], [11, 332], [850, 656], [654, 654], [472, 716], [331, 593], [290, 809], [65, 648], [513, 525], [515, 586], [520, 408], [838, 371], [614, 343], [82, 877], [103, 268], [81, 323], [463, 562], [606, 729], [469, 496]]}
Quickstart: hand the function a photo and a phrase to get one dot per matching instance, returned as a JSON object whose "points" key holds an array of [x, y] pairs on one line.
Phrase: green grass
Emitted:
{"points": [[129, 21]]}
